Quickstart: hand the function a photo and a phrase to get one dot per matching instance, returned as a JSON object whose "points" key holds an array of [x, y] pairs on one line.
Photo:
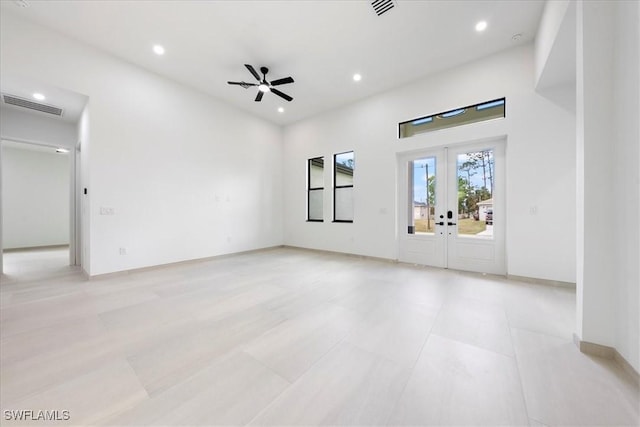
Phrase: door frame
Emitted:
{"points": [[75, 241], [403, 195]]}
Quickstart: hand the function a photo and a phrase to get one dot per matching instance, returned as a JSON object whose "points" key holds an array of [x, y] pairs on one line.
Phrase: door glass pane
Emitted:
{"points": [[424, 195], [475, 173]]}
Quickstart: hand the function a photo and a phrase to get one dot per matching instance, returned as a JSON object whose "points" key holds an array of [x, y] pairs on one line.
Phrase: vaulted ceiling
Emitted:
{"points": [[321, 44]]}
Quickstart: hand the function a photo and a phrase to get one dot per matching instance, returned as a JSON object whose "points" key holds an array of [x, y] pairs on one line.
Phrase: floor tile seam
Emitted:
{"points": [[497, 353], [180, 326], [153, 394], [498, 305], [141, 386], [321, 326], [277, 396], [435, 323], [268, 368], [47, 388], [41, 284], [48, 298], [420, 306], [538, 421], [412, 369], [566, 339], [41, 357], [299, 378], [520, 376], [137, 305], [56, 322], [322, 356], [217, 360], [20, 303]]}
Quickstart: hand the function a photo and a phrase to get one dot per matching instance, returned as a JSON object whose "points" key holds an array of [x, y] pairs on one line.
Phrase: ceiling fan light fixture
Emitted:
{"points": [[265, 85]]}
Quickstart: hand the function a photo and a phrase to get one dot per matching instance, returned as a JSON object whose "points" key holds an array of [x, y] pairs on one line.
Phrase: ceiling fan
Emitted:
{"points": [[263, 85]]}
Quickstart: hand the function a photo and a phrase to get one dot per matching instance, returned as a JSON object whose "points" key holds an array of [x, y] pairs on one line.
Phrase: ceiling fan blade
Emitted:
{"points": [[243, 84], [259, 96], [283, 81], [253, 71], [281, 95]]}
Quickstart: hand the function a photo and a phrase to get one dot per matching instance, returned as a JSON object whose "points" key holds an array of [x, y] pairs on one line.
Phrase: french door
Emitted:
{"points": [[452, 207]]}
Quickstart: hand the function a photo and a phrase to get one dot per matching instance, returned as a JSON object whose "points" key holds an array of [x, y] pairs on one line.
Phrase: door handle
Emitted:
{"points": [[451, 223], [440, 223]]}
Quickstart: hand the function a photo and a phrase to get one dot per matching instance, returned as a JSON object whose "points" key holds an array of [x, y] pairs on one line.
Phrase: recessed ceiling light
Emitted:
{"points": [[481, 26], [280, 110], [158, 49], [357, 77], [263, 88], [61, 150], [39, 96]]}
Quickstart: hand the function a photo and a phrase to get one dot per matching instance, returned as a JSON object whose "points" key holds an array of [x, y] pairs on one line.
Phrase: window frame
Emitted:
{"points": [[335, 186], [447, 114], [310, 189]]}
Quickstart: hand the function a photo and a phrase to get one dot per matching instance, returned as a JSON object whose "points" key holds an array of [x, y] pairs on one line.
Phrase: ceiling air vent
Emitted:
{"points": [[382, 6], [25, 103]]}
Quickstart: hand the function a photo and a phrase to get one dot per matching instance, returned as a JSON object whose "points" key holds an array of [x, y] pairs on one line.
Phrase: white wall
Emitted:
{"points": [[547, 35], [595, 284], [82, 205], [540, 163], [184, 174], [35, 196], [21, 126], [626, 180], [555, 54], [608, 107]]}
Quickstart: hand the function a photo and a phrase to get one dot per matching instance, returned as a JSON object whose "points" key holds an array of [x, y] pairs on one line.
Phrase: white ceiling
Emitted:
{"points": [[321, 44]]}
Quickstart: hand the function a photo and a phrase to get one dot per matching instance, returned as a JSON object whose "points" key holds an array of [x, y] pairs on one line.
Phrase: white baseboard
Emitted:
{"points": [[607, 352]]}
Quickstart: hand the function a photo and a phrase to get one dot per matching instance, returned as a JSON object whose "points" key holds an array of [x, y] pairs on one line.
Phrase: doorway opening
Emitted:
{"points": [[38, 218]]}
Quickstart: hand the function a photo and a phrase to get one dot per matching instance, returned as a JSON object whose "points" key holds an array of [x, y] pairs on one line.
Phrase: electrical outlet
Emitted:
{"points": [[123, 251], [533, 210]]}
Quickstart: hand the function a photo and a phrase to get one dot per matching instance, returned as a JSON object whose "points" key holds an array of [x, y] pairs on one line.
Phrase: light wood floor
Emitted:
{"points": [[293, 337]]}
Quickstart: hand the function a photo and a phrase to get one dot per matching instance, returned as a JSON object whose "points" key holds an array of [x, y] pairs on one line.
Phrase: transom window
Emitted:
{"points": [[460, 116]]}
